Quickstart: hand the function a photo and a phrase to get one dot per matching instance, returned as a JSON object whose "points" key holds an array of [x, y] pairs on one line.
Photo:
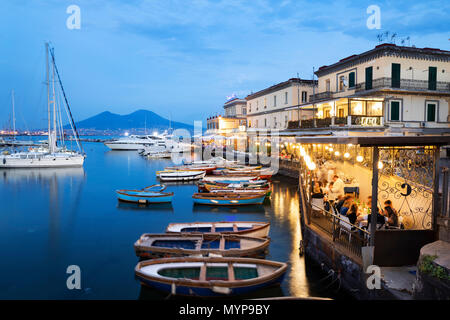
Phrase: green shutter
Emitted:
{"points": [[351, 80], [431, 112], [432, 71], [395, 75], [368, 78], [395, 110]]}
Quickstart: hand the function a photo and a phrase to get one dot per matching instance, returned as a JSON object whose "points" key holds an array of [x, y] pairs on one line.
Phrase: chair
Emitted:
{"points": [[317, 205], [345, 226]]}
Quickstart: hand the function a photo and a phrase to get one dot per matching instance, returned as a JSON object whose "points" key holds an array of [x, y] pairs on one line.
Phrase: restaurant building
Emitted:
{"points": [[389, 90]]}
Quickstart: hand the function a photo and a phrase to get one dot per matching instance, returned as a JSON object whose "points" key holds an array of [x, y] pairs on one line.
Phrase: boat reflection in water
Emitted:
{"points": [[257, 208], [37, 174], [149, 293], [160, 207]]}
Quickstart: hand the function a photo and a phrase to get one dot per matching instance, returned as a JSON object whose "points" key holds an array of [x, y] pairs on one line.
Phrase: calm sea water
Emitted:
{"points": [[51, 219]]}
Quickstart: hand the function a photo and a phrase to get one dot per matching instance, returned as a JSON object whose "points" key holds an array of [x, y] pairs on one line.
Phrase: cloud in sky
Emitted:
{"points": [[184, 57]]}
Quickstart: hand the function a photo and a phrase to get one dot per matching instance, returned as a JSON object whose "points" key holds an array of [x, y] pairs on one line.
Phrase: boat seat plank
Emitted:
{"points": [[222, 243], [203, 272], [235, 227], [230, 272]]}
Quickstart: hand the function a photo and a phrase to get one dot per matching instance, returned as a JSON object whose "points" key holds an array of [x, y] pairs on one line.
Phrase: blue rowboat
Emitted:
{"points": [[228, 198], [210, 276], [151, 194]]}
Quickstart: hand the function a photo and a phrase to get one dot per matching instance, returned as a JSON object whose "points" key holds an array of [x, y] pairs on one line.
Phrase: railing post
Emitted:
{"points": [[374, 210], [349, 121], [445, 195], [435, 187]]}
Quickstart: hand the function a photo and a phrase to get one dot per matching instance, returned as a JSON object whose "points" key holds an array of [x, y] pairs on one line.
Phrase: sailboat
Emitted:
{"points": [[52, 155]]}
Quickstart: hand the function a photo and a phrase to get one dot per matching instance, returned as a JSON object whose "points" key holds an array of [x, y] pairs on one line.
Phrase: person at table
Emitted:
{"points": [[388, 203], [391, 216], [340, 202], [331, 195], [338, 186], [346, 205], [352, 213], [317, 191]]}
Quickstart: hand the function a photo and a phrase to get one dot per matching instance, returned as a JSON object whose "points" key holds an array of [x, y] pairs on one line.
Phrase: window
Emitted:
{"points": [[265, 123], [395, 75], [244, 110], [249, 123], [275, 122], [341, 83], [351, 80], [395, 111], [304, 96], [274, 101], [341, 113], [357, 108], [432, 72], [285, 121], [249, 107], [369, 78], [374, 108], [285, 98], [327, 85], [257, 105], [265, 103], [431, 112], [327, 113]]}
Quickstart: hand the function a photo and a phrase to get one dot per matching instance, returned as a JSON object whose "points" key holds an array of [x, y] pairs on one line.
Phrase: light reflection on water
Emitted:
{"points": [[53, 218]]}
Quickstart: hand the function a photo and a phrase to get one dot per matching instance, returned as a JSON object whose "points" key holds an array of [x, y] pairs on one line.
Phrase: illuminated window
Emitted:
{"points": [[304, 96], [374, 108]]}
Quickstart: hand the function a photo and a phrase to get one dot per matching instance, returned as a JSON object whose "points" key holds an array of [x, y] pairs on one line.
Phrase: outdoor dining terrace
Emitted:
{"points": [[395, 177]]}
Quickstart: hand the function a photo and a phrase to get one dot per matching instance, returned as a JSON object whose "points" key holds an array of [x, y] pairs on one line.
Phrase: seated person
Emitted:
{"points": [[352, 213], [392, 216], [380, 219], [388, 203], [317, 191], [348, 200]]}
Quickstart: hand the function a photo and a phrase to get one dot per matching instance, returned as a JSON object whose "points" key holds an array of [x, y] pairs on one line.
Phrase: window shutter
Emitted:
{"points": [[395, 110], [431, 112], [432, 72], [351, 80], [368, 78], [395, 75]]}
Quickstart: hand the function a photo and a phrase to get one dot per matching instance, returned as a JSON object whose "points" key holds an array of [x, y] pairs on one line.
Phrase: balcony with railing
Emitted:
{"points": [[321, 96], [406, 84]]}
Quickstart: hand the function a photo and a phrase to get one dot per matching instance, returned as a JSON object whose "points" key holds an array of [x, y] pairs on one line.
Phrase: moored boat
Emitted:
{"points": [[181, 175], [248, 228], [228, 198], [182, 244], [151, 194], [211, 276]]}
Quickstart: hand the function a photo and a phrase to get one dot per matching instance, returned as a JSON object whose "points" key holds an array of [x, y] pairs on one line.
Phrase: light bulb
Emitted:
{"points": [[359, 158]]}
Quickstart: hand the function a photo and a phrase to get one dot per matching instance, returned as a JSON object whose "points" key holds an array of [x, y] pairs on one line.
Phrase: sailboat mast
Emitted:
{"points": [[48, 93], [54, 108], [13, 115]]}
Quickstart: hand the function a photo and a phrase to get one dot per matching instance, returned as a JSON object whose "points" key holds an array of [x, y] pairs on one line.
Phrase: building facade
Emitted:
{"points": [[268, 108], [389, 89]]}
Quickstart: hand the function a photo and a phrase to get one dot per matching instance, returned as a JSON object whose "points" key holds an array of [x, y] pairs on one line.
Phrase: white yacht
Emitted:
{"points": [[135, 142], [52, 155]]}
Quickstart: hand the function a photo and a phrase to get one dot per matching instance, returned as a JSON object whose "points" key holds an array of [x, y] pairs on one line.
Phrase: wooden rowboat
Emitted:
{"points": [[243, 168], [207, 168], [181, 175], [228, 198], [211, 276], [206, 185], [247, 228], [228, 180], [151, 194], [182, 244]]}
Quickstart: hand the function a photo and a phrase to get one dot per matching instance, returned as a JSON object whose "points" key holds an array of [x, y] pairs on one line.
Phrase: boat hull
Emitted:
{"points": [[249, 229], [148, 273], [42, 162], [229, 202]]}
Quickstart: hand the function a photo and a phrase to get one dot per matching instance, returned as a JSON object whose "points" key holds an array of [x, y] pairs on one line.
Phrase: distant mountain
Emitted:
{"points": [[137, 120]]}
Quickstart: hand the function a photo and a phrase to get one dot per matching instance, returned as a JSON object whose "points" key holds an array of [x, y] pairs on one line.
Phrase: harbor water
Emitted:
{"points": [[55, 218]]}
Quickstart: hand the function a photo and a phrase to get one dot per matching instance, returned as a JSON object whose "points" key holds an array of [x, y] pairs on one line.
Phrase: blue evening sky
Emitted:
{"points": [[181, 58]]}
